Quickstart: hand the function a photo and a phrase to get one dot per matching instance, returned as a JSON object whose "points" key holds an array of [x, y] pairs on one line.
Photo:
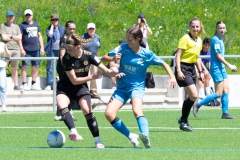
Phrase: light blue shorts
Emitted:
{"points": [[218, 76], [122, 94]]}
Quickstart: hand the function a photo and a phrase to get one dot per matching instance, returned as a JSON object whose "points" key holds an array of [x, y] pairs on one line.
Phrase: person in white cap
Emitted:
{"points": [[93, 47], [11, 35], [31, 37]]}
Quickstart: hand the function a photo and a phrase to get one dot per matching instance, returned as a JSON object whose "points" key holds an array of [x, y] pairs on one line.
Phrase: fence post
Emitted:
{"points": [[54, 85]]}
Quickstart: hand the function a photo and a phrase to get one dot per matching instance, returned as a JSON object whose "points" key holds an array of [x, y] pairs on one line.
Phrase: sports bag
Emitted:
{"points": [[150, 83]]}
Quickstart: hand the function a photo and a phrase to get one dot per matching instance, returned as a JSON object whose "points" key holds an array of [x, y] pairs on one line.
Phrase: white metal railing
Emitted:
{"points": [[56, 58], [54, 71]]}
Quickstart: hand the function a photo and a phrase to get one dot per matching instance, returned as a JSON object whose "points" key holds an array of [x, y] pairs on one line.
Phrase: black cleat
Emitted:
{"points": [[185, 126], [227, 116]]}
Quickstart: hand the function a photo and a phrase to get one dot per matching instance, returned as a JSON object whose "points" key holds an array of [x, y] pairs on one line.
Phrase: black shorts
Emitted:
{"points": [[73, 92], [189, 72]]}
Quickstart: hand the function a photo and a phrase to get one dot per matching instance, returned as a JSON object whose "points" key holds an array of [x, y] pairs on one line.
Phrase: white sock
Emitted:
{"points": [[207, 90], [74, 130], [201, 93]]}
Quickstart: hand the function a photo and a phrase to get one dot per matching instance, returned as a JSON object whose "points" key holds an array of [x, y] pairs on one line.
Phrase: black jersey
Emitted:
{"points": [[59, 63], [79, 65]]}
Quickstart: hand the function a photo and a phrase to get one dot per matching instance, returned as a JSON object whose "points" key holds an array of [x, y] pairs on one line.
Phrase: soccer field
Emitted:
{"points": [[23, 136]]}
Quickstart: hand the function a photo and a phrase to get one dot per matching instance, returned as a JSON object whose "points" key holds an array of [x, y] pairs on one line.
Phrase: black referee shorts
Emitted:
{"points": [[189, 71]]}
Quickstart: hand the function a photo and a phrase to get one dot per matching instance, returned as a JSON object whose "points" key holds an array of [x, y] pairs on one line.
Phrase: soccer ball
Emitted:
{"points": [[56, 139]]}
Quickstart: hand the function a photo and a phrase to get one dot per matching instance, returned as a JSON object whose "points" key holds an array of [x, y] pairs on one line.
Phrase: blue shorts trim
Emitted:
{"points": [[219, 76], [123, 94]]}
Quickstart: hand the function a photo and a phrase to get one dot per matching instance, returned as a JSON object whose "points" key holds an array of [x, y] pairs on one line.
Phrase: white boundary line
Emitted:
{"points": [[162, 128], [121, 110]]}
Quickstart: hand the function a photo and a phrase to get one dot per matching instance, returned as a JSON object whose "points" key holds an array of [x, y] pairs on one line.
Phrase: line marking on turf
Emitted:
{"points": [[162, 128], [124, 149]]}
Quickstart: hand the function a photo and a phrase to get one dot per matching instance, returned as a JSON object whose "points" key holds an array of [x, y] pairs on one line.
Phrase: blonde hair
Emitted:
{"points": [[76, 40], [197, 19]]}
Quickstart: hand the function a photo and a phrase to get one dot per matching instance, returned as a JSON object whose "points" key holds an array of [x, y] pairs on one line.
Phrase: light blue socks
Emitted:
{"points": [[120, 127], [208, 99], [143, 125], [224, 101]]}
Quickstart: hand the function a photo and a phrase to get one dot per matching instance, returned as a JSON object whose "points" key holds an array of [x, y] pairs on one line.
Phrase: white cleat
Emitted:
{"points": [[134, 139]]}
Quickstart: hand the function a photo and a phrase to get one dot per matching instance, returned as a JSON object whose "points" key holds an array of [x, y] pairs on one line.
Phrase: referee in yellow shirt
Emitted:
{"points": [[187, 57]]}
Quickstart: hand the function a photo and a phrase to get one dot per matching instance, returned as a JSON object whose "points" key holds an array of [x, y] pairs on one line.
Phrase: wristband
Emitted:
{"points": [[11, 37], [232, 67], [200, 72]]}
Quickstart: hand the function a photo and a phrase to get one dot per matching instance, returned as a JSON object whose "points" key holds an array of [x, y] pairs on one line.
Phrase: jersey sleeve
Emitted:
{"points": [[216, 46], [155, 60], [39, 28], [182, 43], [95, 60], [62, 43], [116, 50], [66, 63]]}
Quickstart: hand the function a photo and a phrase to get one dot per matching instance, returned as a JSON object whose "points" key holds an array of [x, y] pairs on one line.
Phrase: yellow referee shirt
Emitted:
{"points": [[192, 48]]}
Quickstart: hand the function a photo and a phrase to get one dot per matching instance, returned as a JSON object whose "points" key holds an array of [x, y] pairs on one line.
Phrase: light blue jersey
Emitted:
{"points": [[134, 65], [217, 46], [217, 68]]}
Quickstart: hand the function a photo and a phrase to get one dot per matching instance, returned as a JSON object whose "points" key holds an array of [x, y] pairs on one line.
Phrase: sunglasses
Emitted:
{"points": [[28, 15], [54, 20], [71, 44]]}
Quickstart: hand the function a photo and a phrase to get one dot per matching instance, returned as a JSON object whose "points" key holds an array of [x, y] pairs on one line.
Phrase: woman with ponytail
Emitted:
{"points": [[135, 59], [73, 85], [187, 57]]}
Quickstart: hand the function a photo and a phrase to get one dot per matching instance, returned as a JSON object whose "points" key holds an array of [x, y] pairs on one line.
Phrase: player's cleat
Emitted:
{"points": [[58, 118], [94, 105], [75, 136], [99, 144], [227, 116], [195, 109], [145, 140], [185, 126], [74, 119], [134, 139]]}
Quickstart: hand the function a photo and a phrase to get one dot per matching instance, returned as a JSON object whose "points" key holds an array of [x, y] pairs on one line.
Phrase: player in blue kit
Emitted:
{"points": [[218, 72], [135, 60]]}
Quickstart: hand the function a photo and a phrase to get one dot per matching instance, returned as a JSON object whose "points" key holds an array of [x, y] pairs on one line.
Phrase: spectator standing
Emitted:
{"points": [[31, 36], [146, 30], [93, 47], [11, 35], [54, 33], [4, 53], [218, 72]]}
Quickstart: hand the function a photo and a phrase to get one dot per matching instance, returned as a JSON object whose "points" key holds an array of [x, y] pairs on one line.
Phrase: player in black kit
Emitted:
{"points": [[73, 85]]}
